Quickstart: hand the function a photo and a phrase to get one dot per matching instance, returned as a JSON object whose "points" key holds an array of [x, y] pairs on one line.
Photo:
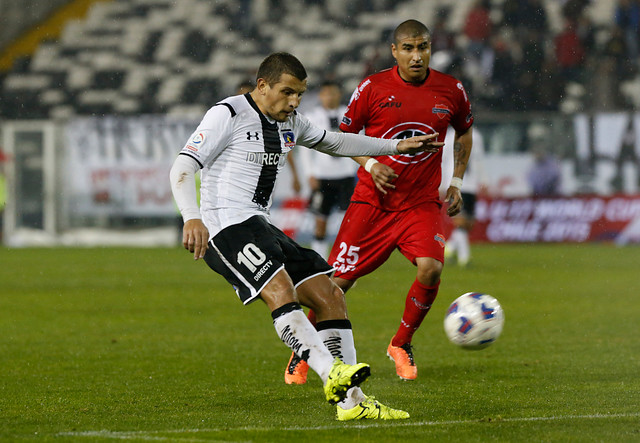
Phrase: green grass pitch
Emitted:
{"points": [[116, 344]]}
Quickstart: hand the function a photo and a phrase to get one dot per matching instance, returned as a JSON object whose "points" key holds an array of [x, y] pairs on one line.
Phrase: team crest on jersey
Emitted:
{"points": [[440, 239], [289, 139], [441, 110]]}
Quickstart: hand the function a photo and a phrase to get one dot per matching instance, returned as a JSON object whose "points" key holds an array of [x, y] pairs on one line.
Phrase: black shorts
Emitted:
{"points": [[332, 194], [249, 254], [469, 204]]}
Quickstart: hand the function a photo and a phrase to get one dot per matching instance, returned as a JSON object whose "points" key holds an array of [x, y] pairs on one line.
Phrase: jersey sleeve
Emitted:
{"points": [[463, 118], [357, 112], [309, 135], [211, 136]]}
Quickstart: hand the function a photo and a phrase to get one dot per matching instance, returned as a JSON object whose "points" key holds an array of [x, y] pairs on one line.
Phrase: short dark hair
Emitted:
{"points": [[410, 28], [280, 63]]}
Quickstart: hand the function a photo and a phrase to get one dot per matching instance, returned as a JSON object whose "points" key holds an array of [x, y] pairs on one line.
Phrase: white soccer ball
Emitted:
{"points": [[474, 320]]}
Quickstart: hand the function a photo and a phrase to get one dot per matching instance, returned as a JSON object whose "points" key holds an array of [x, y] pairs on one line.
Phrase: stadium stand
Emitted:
{"points": [[163, 56]]}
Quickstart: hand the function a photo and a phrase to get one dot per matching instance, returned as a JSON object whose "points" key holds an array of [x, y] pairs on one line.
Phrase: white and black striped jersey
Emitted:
{"points": [[241, 152]]}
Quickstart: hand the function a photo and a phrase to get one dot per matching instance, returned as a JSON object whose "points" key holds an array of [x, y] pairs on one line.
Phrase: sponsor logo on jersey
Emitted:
{"points": [[460, 87], [440, 239], [262, 270], [195, 142], [267, 158], [407, 130], [390, 103], [419, 305], [359, 89], [441, 110], [346, 120], [289, 139], [197, 139]]}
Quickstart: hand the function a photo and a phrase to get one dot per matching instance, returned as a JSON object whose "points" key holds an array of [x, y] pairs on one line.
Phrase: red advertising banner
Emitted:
{"points": [[562, 219]]}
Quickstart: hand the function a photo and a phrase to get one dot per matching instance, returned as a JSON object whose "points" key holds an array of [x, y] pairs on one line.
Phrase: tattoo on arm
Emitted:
{"points": [[461, 152]]}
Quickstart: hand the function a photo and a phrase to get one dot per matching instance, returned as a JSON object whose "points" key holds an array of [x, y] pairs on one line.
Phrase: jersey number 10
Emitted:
{"points": [[251, 256]]}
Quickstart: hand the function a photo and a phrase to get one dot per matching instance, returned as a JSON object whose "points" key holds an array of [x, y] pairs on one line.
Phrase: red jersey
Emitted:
{"points": [[388, 107]]}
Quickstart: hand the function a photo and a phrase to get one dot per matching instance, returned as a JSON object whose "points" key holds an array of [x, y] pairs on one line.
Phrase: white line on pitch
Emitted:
{"points": [[152, 435]]}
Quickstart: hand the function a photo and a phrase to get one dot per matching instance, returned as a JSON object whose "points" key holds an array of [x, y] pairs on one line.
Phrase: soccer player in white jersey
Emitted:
{"points": [[241, 146], [331, 179], [458, 245]]}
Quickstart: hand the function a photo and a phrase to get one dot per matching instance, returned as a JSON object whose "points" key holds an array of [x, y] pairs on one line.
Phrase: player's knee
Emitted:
{"points": [[429, 272], [333, 301]]}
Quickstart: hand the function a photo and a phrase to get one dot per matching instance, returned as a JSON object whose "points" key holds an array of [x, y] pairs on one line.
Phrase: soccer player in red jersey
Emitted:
{"points": [[396, 203]]}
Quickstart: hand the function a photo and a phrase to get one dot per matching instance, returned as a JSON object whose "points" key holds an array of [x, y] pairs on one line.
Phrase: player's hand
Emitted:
{"points": [[382, 176], [454, 199], [195, 237], [420, 143]]}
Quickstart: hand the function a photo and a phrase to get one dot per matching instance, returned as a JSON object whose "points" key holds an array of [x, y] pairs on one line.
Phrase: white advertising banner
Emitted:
{"points": [[120, 166]]}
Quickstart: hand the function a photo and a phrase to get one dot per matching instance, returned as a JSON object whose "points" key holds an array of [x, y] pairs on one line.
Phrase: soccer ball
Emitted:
{"points": [[474, 320]]}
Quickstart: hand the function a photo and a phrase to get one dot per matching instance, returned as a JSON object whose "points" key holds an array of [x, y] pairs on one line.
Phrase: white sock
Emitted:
{"points": [[452, 242], [464, 248], [337, 336], [320, 246], [295, 330]]}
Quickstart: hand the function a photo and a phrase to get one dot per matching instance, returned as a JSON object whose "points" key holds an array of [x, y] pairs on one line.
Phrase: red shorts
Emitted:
{"points": [[368, 236]]}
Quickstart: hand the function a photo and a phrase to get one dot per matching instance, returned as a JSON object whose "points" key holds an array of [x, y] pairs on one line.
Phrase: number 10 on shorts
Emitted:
{"points": [[251, 256]]}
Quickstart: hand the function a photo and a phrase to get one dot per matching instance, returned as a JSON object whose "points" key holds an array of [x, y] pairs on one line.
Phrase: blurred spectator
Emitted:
{"points": [[544, 175], [570, 53], [627, 18], [525, 14], [530, 69], [503, 73], [478, 27], [441, 38], [616, 49]]}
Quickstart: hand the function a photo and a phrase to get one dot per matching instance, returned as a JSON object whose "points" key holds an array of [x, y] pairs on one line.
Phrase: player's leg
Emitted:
{"points": [[418, 302], [320, 205], [463, 223], [424, 246], [296, 332], [292, 325], [327, 300], [251, 255], [319, 242], [296, 370]]}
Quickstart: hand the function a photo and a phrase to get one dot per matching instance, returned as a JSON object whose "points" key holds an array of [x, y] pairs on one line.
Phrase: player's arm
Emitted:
{"points": [[294, 171], [462, 142], [183, 186]]}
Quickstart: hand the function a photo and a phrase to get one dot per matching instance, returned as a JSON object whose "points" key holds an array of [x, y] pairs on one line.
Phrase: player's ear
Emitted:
{"points": [[394, 50], [262, 86]]}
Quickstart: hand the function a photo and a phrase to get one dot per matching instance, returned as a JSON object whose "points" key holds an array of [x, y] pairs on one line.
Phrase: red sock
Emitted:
{"points": [[417, 305]]}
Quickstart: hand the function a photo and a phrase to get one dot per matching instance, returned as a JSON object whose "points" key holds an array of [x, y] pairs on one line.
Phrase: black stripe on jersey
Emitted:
{"points": [[233, 111], [319, 141], [268, 173], [189, 155]]}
